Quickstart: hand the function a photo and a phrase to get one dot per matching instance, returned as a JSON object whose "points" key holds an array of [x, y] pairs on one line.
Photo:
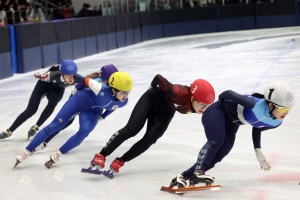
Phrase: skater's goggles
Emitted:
{"points": [[283, 110], [123, 93]]}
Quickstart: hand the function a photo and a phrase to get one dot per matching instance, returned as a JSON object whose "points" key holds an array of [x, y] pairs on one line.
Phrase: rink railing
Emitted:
{"points": [[28, 47]]}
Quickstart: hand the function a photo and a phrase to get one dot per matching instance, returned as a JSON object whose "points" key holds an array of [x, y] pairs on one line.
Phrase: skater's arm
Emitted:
{"points": [[93, 85], [165, 85], [256, 135], [247, 102], [78, 78]]}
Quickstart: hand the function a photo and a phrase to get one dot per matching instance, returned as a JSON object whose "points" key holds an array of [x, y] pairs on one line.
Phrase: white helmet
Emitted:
{"points": [[281, 94]]}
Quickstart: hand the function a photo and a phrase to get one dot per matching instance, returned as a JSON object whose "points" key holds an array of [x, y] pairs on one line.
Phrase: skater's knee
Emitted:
{"points": [[29, 112], [216, 143], [81, 135]]}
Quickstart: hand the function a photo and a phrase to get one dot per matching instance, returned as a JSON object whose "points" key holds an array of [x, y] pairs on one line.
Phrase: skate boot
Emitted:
{"points": [[200, 177], [40, 147], [116, 165], [5, 134], [54, 158], [114, 168], [180, 181], [22, 156], [32, 131], [98, 161]]}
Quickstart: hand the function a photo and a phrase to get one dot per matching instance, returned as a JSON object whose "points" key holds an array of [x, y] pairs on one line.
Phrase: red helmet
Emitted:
{"points": [[203, 91]]}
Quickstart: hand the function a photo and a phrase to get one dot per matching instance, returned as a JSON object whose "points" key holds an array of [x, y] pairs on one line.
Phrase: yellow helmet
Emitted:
{"points": [[120, 81]]}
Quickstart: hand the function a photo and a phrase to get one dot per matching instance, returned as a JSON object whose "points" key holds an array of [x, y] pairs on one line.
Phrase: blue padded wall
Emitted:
{"points": [[120, 31], [5, 54], [102, 43], [277, 14], [175, 23], [49, 44], [111, 32], [156, 24], [28, 42], [236, 17], [90, 36], [129, 29], [202, 20], [78, 39], [64, 36], [137, 31], [145, 26]]}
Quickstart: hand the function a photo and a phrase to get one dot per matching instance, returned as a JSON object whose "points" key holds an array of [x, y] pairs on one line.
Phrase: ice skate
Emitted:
{"points": [[22, 156], [54, 158], [200, 177], [40, 147], [114, 168], [32, 131], [180, 181], [98, 162], [5, 134]]}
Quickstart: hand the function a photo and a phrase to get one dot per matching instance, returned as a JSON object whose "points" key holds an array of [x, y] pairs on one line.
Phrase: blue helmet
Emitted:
{"points": [[68, 67]]}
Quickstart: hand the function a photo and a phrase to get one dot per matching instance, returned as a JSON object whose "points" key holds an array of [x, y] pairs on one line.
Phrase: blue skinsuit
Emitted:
{"points": [[89, 106], [221, 121]]}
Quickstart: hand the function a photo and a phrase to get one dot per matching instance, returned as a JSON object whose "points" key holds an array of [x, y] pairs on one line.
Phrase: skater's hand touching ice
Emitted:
{"points": [[264, 164]]}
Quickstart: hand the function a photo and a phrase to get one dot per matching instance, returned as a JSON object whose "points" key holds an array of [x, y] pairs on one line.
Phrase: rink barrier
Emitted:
{"points": [[111, 32], [89, 29], [75, 38], [5, 53], [120, 31], [28, 47], [155, 26], [128, 20], [237, 17], [175, 23], [277, 14], [202, 20], [101, 35], [144, 17], [78, 39], [49, 44], [137, 29], [64, 37]]}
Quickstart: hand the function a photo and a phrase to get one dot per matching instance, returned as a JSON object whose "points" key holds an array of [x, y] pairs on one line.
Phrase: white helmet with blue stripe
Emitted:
{"points": [[281, 94]]}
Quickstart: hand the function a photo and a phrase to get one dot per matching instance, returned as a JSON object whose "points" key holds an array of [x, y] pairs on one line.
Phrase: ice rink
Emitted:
{"points": [[245, 62]]}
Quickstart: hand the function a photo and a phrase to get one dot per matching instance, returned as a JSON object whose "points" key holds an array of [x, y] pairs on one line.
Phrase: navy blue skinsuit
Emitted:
{"points": [[221, 122]]}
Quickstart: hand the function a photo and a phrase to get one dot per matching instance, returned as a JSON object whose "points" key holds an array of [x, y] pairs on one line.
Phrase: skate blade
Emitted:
{"points": [[91, 171], [193, 188], [171, 190], [108, 174], [16, 164], [48, 164]]}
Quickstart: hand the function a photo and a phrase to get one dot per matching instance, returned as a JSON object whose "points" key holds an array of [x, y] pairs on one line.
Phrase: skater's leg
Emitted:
{"points": [[53, 98], [225, 149], [39, 90], [136, 122], [156, 127], [53, 135], [213, 121], [88, 121], [62, 118]]}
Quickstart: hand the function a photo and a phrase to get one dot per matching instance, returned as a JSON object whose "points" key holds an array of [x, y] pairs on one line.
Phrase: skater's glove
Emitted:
{"points": [[37, 75], [264, 164], [74, 90]]}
